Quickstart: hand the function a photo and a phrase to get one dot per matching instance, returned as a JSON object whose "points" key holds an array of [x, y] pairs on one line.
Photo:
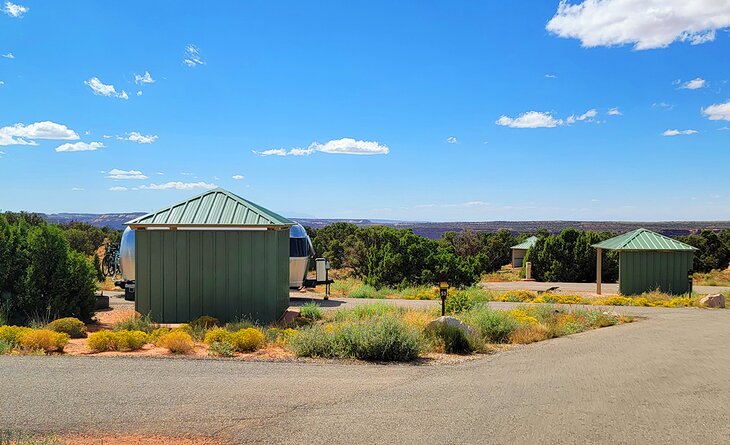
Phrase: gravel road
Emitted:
{"points": [[661, 380]]}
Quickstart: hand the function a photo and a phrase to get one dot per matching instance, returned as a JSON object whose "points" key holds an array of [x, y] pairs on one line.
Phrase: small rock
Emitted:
{"points": [[713, 300], [452, 321]]}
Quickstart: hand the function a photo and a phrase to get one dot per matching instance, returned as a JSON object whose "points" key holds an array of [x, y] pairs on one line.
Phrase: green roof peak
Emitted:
{"points": [[643, 239], [215, 207]]}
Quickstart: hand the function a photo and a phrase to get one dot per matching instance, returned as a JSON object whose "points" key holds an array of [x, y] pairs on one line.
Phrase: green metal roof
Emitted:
{"points": [[643, 239], [216, 208], [526, 244]]}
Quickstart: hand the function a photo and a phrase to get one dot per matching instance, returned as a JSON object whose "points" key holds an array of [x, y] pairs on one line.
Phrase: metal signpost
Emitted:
{"points": [[443, 291]]}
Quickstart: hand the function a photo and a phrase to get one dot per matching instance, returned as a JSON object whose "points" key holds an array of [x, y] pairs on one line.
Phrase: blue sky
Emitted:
{"points": [[422, 110]]}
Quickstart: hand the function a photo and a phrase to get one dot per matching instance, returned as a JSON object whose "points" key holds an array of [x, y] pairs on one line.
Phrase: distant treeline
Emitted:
{"points": [[385, 256]]}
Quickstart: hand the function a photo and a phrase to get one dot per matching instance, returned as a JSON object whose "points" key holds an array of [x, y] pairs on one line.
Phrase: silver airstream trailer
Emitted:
{"points": [[300, 251]]}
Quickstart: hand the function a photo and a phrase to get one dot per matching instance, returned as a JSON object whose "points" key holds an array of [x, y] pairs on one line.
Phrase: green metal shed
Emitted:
{"points": [[520, 250], [648, 261], [214, 254]]}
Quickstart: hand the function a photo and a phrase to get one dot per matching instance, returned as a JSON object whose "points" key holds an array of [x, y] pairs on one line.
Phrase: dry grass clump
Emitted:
{"points": [[529, 334]]}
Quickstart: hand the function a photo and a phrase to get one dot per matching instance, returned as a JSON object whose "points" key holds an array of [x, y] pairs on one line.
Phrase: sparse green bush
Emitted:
{"points": [[221, 349], [310, 311], [5, 347], [205, 321], [450, 339], [366, 291], [74, 327], [136, 322], [241, 323], [463, 300], [366, 311], [493, 326], [378, 339], [8, 438]]}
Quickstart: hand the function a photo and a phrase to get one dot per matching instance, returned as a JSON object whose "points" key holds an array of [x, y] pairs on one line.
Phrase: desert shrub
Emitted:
{"points": [[43, 339], [529, 334], [177, 342], [122, 340], [247, 340], [366, 291], [523, 316], [463, 300], [365, 311], [12, 334], [285, 335], [10, 438], [217, 335], [493, 326], [614, 301], [237, 325], [205, 321], [310, 311], [74, 327], [130, 340], [136, 322], [416, 319], [101, 341], [221, 349], [517, 296], [561, 299], [450, 339], [383, 338], [599, 319], [5, 347]]}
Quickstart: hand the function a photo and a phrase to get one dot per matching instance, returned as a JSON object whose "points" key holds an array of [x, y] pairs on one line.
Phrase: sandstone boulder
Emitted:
{"points": [[713, 300]]}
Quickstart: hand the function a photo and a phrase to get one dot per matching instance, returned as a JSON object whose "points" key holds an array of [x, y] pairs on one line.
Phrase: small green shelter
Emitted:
{"points": [[520, 250], [648, 261], [215, 254]]}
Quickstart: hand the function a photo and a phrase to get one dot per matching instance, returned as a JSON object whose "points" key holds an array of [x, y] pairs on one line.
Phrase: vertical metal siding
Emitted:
{"points": [[182, 275], [644, 271]]}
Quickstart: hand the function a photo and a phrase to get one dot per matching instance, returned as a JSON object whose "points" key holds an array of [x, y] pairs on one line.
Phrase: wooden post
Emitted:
{"points": [[599, 255]]}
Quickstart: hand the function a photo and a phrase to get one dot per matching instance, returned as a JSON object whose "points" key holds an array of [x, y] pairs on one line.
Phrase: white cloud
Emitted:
{"points": [[159, 173], [678, 132], [9, 56], [715, 112], [77, 189], [20, 134], [116, 173], [140, 138], [337, 146], [694, 84], [139, 93], [192, 56], [664, 105], [452, 140], [2, 82], [15, 10], [102, 89], [117, 189], [79, 146], [646, 24], [145, 78], [614, 112], [237, 177], [351, 146], [587, 116], [531, 119], [176, 185], [551, 76]]}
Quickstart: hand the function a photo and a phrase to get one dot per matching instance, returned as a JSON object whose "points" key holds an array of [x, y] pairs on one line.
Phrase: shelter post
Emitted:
{"points": [[599, 255]]}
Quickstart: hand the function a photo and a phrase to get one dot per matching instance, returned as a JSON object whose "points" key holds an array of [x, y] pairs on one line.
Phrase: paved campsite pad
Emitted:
{"points": [[662, 380]]}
